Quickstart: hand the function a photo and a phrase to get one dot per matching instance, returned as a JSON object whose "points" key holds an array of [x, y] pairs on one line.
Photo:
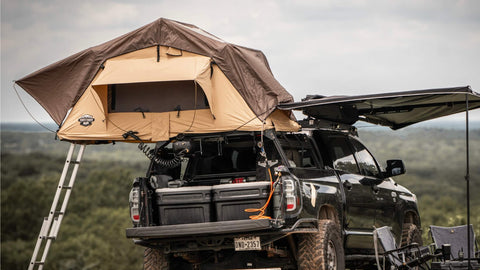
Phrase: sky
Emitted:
{"points": [[325, 47]]}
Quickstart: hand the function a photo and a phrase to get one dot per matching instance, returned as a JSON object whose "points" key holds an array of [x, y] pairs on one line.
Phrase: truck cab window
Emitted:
{"points": [[367, 163], [342, 155]]}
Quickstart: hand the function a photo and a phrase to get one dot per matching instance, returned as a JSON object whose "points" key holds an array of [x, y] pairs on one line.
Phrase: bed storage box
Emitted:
{"points": [[184, 205], [231, 200]]}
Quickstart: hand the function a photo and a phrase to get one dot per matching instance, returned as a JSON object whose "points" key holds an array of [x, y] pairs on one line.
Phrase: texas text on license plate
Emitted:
{"points": [[247, 243]]}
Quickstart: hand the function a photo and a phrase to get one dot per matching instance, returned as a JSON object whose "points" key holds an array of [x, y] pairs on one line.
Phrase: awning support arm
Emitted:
{"points": [[467, 178]]}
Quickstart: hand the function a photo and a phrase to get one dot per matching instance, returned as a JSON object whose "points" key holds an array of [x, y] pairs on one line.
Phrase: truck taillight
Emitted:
{"points": [[238, 180], [289, 190], [134, 200]]}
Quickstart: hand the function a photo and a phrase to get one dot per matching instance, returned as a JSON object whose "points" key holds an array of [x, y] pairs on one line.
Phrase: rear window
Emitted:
{"points": [[222, 155]]}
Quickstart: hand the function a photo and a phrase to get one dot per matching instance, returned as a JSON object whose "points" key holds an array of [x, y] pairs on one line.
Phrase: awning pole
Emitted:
{"points": [[467, 178]]}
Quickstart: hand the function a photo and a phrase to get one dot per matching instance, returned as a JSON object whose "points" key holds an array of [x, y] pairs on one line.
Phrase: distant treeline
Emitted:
{"points": [[435, 159], [93, 231]]}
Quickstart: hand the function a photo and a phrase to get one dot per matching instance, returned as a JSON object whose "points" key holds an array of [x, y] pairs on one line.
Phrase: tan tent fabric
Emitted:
{"points": [[60, 86], [227, 109], [149, 70]]}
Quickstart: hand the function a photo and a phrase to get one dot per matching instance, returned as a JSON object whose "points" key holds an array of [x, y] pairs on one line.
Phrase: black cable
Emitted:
{"points": [[150, 153], [24, 106]]}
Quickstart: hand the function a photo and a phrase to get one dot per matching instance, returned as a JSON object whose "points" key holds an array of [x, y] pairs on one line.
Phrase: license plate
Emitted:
{"points": [[247, 243]]}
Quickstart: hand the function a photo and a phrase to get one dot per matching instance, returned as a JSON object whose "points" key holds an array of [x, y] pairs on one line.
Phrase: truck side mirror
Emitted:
{"points": [[395, 167]]}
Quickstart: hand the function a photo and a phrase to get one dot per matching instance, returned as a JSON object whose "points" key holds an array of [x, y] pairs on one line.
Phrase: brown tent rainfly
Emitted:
{"points": [[160, 80]]}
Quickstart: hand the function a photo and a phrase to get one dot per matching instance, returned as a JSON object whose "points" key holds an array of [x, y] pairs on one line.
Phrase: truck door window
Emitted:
{"points": [[342, 155], [365, 160]]}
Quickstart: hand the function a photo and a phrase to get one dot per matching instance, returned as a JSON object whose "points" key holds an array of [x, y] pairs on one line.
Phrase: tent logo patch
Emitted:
{"points": [[86, 120]]}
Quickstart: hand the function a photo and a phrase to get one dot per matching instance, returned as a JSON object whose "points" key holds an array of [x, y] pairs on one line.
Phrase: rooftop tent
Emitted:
{"points": [[160, 80]]}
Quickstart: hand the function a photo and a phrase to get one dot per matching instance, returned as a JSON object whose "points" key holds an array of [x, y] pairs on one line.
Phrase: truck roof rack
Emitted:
{"points": [[312, 123]]}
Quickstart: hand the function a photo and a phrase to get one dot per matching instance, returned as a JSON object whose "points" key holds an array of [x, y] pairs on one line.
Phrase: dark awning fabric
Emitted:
{"points": [[58, 86], [395, 110]]}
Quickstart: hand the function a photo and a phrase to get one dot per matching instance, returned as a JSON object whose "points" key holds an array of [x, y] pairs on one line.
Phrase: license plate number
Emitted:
{"points": [[247, 243]]}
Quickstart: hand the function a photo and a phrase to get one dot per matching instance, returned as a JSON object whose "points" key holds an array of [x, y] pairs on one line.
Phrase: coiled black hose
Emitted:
{"points": [[150, 153]]}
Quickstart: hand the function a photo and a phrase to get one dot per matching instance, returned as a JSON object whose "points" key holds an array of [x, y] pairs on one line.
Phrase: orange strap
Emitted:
{"points": [[261, 214]]}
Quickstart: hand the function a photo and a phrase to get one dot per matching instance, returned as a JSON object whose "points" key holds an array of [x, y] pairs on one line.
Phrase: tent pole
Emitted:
{"points": [[467, 178]]}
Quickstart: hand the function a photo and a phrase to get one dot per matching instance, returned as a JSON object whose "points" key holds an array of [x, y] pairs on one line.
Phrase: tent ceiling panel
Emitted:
{"points": [[149, 70]]}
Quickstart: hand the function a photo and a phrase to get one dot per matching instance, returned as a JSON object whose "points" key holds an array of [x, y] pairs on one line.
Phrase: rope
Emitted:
{"points": [[261, 214], [26, 109], [255, 117]]}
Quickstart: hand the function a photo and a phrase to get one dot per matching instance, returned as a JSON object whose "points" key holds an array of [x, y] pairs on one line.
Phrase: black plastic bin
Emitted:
{"points": [[231, 200], [184, 205]]}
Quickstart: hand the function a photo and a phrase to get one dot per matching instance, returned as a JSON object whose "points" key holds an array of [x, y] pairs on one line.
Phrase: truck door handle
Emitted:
{"points": [[347, 185], [375, 189]]}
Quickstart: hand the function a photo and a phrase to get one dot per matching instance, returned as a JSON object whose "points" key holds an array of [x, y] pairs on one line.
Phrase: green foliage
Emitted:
{"points": [[28, 143], [436, 166], [92, 235], [95, 239]]}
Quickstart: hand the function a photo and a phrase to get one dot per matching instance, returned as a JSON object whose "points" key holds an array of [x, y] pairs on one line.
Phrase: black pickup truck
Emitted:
{"points": [[276, 200]]}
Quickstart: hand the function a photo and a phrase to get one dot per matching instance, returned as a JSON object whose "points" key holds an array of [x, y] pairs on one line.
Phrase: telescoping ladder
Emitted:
{"points": [[51, 224]]}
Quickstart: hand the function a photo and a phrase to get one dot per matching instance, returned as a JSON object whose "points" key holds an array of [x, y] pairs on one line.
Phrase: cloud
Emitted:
{"points": [[327, 47]]}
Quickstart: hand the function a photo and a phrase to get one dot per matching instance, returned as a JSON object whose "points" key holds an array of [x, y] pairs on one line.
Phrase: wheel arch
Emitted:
{"points": [[328, 211]]}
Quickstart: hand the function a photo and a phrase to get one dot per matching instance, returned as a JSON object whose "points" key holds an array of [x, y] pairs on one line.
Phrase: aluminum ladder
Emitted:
{"points": [[51, 224]]}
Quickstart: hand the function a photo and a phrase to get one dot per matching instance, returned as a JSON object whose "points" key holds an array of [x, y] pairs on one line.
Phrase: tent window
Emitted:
{"points": [[156, 97]]}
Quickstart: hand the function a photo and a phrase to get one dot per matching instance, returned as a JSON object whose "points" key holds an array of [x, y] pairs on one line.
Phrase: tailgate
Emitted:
{"points": [[198, 229]]}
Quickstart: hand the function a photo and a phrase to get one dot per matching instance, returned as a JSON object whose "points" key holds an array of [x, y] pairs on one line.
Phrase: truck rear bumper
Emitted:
{"points": [[198, 229]]}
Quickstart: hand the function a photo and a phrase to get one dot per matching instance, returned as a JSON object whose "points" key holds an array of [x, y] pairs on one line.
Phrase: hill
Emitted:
{"points": [[92, 233]]}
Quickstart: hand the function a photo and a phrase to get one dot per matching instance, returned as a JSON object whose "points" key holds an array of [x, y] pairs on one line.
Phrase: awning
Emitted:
{"points": [[395, 110]]}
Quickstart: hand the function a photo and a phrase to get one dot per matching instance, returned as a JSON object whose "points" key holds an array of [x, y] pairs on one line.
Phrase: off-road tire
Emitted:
{"points": [[411, 234], [322, 250], [155, 259]]}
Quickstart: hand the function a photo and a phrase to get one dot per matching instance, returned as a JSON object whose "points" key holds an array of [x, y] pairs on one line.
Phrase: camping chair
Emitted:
{"points": [[456, 239], [406, 257]]}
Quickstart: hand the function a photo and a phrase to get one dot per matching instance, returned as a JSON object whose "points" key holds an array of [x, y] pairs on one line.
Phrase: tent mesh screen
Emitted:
{"points": [[156, 97]]}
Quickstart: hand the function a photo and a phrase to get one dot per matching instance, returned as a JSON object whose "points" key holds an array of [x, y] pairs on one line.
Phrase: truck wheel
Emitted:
{"points": [[155, 259], [322, 250], [411, 234]]}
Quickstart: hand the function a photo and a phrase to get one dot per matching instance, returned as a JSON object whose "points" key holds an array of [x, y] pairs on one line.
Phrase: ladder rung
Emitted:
{"points": [[54, 229], [51, 227], [44, 229]]}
